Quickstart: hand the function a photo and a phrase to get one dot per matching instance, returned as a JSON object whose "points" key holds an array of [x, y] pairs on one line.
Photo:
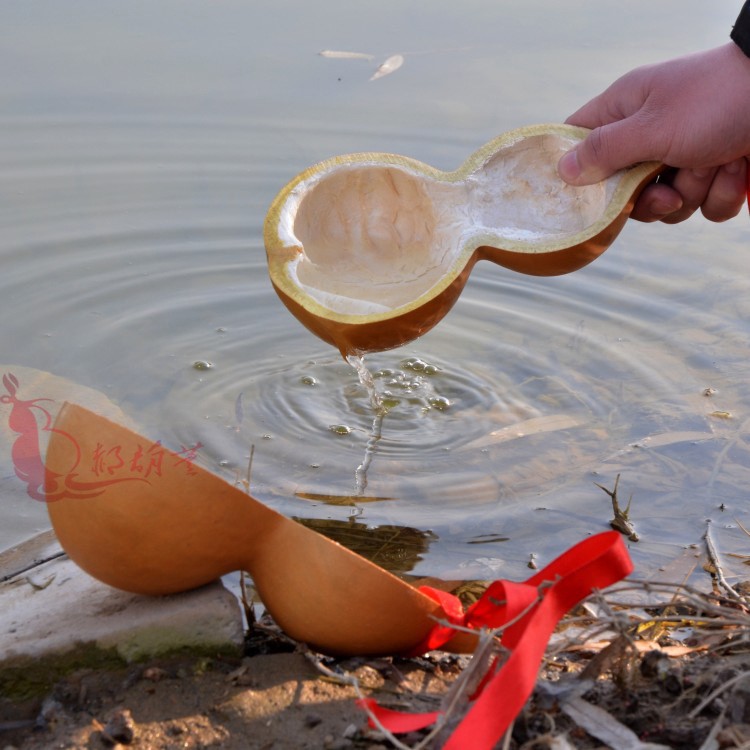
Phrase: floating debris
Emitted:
{"points": [[391, 65], [721, 414], [239, 412], [337, 54], [340, 429]]}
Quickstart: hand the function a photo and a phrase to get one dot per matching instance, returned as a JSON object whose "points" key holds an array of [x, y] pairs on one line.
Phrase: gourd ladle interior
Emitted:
{"points": [[370, 251]]}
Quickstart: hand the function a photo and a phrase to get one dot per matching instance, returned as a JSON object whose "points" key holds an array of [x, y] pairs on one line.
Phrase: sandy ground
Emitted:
{"points": [[623, 692]]}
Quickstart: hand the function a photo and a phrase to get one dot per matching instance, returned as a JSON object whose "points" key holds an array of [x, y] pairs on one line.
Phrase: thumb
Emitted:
{"points": [[605, 150]]}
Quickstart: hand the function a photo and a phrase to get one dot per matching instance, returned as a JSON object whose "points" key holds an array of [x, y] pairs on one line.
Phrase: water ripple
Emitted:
{"points": [[133, 252]]}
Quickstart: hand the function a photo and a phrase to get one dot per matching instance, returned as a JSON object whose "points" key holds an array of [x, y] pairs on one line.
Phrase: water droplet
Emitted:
{"points": [[202, 364], [308, 380], [340, 429], [224, 463]]}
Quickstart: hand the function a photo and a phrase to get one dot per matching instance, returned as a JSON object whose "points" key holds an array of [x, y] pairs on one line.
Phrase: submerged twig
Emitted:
{"points": [[713, 557], [738, 554], [245, 481]]}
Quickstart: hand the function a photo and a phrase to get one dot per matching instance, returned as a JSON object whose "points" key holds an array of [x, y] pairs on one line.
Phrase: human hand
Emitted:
{"points": [[692, 114]]}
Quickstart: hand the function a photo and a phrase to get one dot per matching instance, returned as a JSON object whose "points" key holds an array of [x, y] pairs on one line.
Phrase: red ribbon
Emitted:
{"points": [[533, 609]]}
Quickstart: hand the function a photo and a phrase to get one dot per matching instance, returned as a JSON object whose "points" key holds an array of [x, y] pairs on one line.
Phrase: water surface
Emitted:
{"points": [[140, 147]]}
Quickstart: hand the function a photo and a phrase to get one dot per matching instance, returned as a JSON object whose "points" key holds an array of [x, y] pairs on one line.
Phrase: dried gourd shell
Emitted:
{"points": [[371, 250]]}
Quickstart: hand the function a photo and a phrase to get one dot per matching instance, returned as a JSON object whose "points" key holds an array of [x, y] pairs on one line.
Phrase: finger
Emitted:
{"points": [[693, 186], [726, 195], [655, 202], [620, 100], [605, 150]]}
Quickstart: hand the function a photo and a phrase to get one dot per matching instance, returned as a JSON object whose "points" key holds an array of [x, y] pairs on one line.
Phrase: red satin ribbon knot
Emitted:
{"points": [[533, 609]]}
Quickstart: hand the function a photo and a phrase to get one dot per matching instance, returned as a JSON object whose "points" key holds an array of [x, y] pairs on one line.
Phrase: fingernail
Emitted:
{"points": [[568, 167], [663, 208]]}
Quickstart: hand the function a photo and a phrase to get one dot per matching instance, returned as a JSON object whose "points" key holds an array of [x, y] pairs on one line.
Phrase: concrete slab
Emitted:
{"points": [[54, 618]]}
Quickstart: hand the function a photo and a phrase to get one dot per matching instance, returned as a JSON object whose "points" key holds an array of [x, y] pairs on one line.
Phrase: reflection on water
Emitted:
{"points": [[132, 198], [395, 548]]}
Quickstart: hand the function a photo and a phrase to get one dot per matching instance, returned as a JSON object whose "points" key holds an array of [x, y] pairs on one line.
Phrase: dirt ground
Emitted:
{"points": [[679, 680]]}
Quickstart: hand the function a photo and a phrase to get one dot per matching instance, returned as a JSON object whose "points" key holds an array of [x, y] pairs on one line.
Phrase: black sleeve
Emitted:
{"points": [[741, 31]]}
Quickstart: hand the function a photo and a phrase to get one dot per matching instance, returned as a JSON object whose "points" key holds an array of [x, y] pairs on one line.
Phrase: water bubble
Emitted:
{"points": [[202, 364], [414, 363], [308, 380], [440, 403], [431, 369]]}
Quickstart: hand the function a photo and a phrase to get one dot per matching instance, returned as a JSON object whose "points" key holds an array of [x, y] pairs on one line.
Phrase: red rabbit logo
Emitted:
{"points": [[27, 419]]}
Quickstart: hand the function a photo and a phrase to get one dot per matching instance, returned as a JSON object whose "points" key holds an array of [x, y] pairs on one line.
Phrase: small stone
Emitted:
{"points": [[51, 712], [175, 730], [673, 683], [154, 674], [120, 729], [312, 720], [655, 663]]}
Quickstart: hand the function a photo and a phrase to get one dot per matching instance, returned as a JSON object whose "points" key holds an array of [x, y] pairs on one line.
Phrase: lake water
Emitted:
{"points": [[140, 146]]}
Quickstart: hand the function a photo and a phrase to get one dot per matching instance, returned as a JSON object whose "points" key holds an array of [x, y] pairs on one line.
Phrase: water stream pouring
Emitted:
{"points": [[370, 251]]}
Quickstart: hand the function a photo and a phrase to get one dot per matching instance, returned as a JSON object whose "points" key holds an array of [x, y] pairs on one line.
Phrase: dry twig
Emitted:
{"points": [[621, 521], [718, 571]]}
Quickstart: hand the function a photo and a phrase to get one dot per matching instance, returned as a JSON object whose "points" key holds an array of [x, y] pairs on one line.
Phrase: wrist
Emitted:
{"points": [[740, 34]]}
